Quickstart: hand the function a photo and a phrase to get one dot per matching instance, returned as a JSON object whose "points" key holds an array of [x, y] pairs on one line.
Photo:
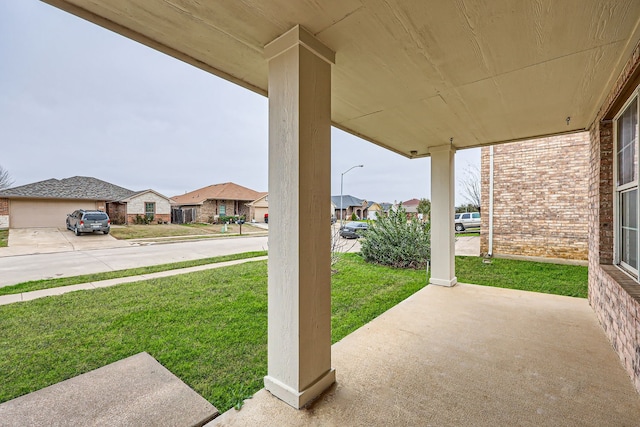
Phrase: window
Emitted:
{"points": [[475, 215], [223, 210], [149, 210], [626, 186]]}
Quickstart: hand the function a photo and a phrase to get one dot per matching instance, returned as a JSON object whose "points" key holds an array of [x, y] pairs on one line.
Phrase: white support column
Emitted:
{"points": [[299, 238], [443, 266]]}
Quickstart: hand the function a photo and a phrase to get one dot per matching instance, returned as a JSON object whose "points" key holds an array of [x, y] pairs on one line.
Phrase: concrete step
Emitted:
{"points": [[131, 392]]}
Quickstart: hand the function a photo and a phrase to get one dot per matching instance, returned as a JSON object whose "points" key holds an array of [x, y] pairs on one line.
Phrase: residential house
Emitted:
{"points": [[374, 210], [535, 198], [209, 203], [350, 205], [259, 208], [411, 207], [446, 77], [147, 204], [47, 203]]}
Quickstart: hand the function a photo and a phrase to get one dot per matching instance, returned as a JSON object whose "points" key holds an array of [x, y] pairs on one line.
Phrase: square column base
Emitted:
{"points": [[443, 282], [298, 399]]}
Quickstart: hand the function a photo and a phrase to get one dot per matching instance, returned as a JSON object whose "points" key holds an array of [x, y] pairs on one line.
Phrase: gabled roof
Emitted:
{"points": [[347, 201], [225, 191], [262, 196], [385, 206], [411, 202], [77, 187], [373, 203], [138, 193]]}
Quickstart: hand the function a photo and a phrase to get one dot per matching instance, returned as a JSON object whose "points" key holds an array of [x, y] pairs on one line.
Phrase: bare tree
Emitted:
{"points": [[5, 178], [470, 185]]}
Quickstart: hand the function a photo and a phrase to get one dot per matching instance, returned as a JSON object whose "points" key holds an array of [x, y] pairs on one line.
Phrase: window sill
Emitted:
{"points": [[626, 282]]}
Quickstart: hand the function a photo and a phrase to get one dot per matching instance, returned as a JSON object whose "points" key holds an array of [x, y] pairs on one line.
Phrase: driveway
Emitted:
{"points": [[24, 241]]}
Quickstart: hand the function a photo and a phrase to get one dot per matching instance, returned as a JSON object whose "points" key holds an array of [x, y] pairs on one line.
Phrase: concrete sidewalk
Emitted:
{"points": [[27, 296]]}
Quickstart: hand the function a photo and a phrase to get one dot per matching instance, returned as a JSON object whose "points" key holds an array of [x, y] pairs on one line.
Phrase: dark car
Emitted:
{"points": [[83, 221], [354, 230]]}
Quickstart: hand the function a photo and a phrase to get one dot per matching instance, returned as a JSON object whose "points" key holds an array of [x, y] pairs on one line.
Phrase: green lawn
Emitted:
{"points": [[569, 280], [161, 231], [210, 328], [4, 238], [35, 285]]}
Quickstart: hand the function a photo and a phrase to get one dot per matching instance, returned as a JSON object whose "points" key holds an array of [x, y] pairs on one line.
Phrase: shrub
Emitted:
{"points": [[397, 242], [354, 217]]}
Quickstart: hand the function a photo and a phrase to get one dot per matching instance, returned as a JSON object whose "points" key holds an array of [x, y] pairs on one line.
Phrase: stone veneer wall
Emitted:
{"points": [[540, 206], [613, 295]]}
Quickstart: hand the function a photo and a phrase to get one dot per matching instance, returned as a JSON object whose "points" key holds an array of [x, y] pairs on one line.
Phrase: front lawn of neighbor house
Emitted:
{"points": [[148, 231], [4, 238]]}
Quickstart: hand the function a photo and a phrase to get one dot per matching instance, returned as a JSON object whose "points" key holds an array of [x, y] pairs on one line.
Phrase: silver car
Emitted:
{"points": [[467, 220], [82, 221]]}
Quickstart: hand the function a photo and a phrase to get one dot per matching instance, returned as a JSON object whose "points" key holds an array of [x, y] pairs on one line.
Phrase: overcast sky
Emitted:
{"points": [[76, 99]]}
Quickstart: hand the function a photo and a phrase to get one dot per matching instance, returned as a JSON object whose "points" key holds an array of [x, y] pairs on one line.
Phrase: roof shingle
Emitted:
{"points": [[77, 187], [224, 191]]}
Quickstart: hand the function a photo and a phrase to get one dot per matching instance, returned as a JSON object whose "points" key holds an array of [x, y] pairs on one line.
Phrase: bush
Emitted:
{"points": [[397, 242], [354, 217]]}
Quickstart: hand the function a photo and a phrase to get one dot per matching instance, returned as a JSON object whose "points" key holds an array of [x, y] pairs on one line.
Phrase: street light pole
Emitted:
{"points": [[341, 182]]}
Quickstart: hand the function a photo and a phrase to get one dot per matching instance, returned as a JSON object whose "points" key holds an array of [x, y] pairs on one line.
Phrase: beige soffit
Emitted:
{"points": [[410, 75]]}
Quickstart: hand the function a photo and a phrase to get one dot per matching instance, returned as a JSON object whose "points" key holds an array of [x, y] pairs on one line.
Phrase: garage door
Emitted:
{"points": [[260, 214], [43, 213]]}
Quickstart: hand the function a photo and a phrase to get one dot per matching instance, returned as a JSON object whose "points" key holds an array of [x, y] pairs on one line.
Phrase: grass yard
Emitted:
{"points": [[178, 230], [35, 285], [4, 238], [569, 280], [208, 328]]}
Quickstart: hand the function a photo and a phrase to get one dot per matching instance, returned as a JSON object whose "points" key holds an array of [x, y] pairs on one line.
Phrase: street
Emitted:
{"points": [[22, 268]]}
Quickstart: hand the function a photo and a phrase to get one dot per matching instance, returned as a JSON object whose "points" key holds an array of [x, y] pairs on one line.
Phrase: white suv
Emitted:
{"points": [[467, 220]]}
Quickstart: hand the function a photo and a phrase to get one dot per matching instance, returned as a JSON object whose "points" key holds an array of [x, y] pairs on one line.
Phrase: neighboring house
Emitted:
{"points": [[540, 198], [258, 208], [350, 205], [147, 204], [207, 204], [47, 203], [411, 207], [374, 210]]}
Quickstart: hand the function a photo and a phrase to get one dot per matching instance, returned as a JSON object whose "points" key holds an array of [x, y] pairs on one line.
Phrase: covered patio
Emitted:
{"points": [[469, 355], [422, 78]]}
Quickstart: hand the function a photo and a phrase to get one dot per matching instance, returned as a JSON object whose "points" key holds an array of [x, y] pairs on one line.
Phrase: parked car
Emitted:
{"points": [[83, 221], [467, 220], [354, 230]]}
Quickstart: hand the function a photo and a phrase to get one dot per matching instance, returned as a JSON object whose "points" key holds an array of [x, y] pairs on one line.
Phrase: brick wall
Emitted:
{"points": [[540, 204], [614, 296], [131, 218], [4, 213]]}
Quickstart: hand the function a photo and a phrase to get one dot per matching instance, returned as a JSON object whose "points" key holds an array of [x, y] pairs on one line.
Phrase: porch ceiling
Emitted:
{"points": [[410, 74]]}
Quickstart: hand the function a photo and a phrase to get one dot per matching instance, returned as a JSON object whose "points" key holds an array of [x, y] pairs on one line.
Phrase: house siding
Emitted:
{"points": [[540, 201], [614, 296]]}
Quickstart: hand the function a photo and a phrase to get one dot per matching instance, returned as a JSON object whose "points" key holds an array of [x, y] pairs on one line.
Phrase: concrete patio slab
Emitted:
{"points": [[467, 355], [134, 391]]}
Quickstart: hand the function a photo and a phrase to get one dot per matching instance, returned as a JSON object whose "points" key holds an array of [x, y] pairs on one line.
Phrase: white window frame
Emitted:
{"points": [[618, 190]]}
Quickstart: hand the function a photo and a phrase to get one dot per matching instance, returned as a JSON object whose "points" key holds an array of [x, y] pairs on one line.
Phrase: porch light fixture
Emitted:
{"points": [[341, 182]]}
